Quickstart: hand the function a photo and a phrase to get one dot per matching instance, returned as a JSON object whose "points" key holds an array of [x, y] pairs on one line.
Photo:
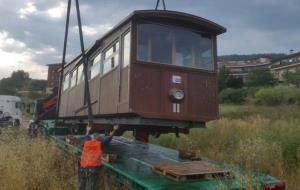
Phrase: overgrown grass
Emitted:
{"points": [[264, 139], [257, 138], [38, 164], [33, 164]]}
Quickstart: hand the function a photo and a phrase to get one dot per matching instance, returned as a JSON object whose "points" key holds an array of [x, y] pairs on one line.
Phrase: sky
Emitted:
{"points": [[32, 31]]}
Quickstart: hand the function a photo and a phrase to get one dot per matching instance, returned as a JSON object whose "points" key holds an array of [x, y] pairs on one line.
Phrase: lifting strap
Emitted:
{"points": [[157, 4], [87, 96]]}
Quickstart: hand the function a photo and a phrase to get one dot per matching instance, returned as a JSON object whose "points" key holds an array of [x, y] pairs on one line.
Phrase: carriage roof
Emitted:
{"points": [[179, 17]]}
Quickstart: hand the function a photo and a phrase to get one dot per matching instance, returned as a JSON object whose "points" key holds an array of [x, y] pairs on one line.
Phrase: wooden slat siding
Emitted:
{"points": [[109, 92], [79, 97], [150, 88], [94, 92], [202, 95], [123, 106], [63, 104], [146, 87]]}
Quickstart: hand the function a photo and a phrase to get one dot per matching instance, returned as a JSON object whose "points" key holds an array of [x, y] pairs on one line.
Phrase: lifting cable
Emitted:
{"points": [[157, 4], [87, 96], [61, 76]]}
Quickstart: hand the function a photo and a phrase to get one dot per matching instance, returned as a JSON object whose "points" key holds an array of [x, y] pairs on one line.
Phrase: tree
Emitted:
{"points": [[234, 82], [20, 80], [19, 75], [223, 77], [260, 77], [292, 77]]}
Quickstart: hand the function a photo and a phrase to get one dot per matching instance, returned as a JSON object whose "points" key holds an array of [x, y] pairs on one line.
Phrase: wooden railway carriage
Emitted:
{"points": [[156, 71]]}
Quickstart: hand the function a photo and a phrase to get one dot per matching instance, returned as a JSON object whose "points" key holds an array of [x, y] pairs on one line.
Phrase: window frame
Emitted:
{"points": [[212, 45], [65, 76], [94, 65], [79, 78], [71, 76], [128, 31], [118, 51]]}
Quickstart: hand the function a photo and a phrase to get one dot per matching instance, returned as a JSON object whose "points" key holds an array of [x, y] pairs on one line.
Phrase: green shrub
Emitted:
{"points": [[235, 96], [269, 96], [277, 95]]}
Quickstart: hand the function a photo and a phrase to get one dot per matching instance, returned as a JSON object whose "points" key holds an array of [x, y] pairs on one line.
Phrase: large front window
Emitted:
{"points": [[174, 45]]}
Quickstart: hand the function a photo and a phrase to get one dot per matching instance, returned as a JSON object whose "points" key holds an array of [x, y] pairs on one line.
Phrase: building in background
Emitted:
{"points": [[289, 63], [242, 68], [53, 77]]}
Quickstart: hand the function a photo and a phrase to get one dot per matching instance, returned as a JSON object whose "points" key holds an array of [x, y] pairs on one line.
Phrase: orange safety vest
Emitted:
{"points": [[91, 153]]}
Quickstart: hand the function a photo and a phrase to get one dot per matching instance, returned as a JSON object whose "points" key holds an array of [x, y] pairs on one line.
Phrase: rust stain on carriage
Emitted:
{"points": [[143, 88]]}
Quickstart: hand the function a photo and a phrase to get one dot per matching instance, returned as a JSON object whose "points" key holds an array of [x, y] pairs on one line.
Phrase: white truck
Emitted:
{"points": [[10, 110]]}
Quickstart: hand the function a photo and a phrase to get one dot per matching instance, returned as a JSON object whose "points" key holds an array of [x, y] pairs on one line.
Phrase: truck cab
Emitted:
{"points": [[10, 110]]}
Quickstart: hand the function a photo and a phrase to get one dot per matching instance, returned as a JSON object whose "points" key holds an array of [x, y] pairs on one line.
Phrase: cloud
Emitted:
{"points": [[58, 11], [15, 55], [29, 8], [34, 29], [91, 30]]}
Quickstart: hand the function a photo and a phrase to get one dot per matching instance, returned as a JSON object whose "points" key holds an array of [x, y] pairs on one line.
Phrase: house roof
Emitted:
{"points": [[247, 63]]}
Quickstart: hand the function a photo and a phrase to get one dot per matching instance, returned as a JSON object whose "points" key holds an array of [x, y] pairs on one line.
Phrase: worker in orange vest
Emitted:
{"points": [[90, 163]]}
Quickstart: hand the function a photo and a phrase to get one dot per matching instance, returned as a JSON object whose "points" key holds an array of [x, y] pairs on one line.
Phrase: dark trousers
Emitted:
{"points": [[88, 178]]}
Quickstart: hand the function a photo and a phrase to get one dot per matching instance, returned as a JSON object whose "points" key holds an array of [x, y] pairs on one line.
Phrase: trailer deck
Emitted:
{"points": [[134, 168]]}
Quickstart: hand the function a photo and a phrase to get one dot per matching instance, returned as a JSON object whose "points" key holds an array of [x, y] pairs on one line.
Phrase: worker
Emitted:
{"points": [[90, 163]]}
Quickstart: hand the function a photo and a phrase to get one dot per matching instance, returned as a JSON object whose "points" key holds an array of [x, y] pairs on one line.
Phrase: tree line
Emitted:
{"points": [[259, 84], [20, 81]]}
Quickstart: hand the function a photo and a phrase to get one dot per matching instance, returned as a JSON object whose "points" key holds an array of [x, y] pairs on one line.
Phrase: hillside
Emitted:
{"points": [[236, 57]]}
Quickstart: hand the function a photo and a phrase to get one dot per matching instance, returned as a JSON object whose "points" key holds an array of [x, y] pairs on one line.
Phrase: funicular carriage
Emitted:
{"points": [[155, 72]]}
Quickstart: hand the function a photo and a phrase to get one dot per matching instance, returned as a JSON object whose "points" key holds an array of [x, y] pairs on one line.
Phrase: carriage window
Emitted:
{"points": [[154, 43], [80, 74], [126, 49], [111, 58], [73, 78], [67, 82], [95, 67], [174, 45]]}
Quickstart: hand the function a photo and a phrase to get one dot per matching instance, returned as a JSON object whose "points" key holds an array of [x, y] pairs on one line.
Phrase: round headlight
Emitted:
{"points": [[176, 95]]}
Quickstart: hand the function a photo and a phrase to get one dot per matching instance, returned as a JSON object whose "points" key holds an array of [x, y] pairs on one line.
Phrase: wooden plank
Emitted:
{"points": [[190, 170]]}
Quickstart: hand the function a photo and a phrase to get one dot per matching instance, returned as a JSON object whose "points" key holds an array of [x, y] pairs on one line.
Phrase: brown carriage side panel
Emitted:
{"points": [[94, 85], [146, 88], [63, 104], [151, 84], [78, 99], [202, 95], [109, 92], [123, 106]]}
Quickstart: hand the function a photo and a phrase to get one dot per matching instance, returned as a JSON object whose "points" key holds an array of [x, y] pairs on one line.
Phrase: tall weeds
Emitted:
{"points": [[259, 139], [33, 164]]}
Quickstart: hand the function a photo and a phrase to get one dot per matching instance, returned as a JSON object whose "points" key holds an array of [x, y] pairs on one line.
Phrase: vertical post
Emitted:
{"points": [[63, 57], [85, 62]]}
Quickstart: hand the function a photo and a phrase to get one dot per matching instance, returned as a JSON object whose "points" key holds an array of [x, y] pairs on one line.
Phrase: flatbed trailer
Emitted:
{"points": [[134, 165]]}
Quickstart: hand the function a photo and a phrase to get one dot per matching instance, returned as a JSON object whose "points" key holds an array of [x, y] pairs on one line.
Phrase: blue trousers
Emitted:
{"points": [[88, 178]]}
